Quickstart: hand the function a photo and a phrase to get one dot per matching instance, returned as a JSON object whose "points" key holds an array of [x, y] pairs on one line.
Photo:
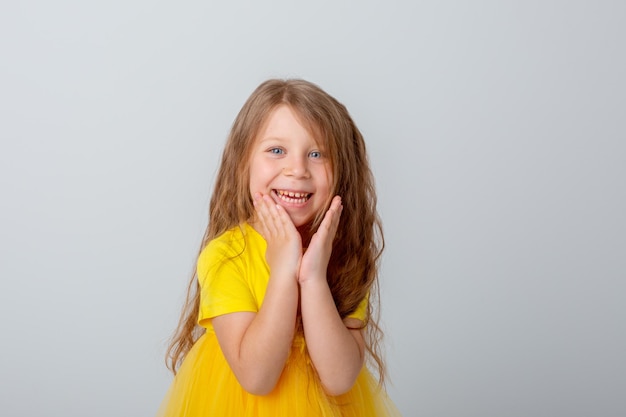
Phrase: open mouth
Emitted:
{"points": [[292, 197]]}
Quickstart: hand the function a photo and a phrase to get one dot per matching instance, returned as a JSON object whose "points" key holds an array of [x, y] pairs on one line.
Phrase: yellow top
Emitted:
{"points": [[233, 275]]}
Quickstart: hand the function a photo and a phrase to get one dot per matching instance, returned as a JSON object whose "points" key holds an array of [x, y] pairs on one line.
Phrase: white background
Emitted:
{"points": [[496, 131]]}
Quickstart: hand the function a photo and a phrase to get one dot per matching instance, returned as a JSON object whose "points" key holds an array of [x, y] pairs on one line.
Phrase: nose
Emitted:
{"points": [[296, 167]]}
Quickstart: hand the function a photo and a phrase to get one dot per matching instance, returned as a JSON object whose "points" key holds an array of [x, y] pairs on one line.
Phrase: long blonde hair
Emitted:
{"points": [[353, 267]]}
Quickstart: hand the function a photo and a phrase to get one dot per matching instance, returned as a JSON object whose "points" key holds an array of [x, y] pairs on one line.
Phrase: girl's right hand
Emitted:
{"points": [[284, 244]]}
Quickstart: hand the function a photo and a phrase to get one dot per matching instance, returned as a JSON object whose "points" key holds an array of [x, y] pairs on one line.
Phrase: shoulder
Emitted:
{"points": [[230, 246]]}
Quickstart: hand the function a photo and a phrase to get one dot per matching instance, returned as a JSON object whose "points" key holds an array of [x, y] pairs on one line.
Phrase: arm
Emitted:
{"points": [[336, 351], [256, 345]]}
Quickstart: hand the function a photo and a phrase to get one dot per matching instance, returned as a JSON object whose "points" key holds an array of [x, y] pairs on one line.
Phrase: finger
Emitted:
{"points": [[264, 213], [336, 202], [335, 221], [260, 217], [331, 218], [286, 224], [271, 210]]}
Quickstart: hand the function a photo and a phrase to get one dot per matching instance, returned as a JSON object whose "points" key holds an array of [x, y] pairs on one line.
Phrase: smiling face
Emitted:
{"points": [[288, 164]]}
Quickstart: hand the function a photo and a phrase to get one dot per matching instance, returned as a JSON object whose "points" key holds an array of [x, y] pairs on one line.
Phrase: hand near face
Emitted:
{"points": [[315, 259], [284, 244]]}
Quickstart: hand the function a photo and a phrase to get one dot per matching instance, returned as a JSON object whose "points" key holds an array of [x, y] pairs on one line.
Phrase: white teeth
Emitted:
{"points": [[292, 197]]}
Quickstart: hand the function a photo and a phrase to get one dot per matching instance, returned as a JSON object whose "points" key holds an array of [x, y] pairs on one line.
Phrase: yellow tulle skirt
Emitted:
{"points": [[206, 386]]}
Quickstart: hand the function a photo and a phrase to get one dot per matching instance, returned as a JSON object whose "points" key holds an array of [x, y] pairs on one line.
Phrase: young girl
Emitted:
{"points": [[278, 319]]}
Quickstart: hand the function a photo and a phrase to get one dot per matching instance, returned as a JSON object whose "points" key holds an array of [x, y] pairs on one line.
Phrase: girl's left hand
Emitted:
{"points": [[315, 259]]}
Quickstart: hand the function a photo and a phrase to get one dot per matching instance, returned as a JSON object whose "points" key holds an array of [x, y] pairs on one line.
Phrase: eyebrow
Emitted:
{"points": [[262, 140], [270, 138]]}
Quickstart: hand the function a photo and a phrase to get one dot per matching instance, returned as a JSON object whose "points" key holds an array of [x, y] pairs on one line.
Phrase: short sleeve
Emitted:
{"points": [[361, 311], [223, 283]]}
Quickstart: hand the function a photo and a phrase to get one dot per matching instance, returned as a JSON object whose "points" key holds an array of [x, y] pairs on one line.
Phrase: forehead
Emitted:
{"points": [[284, 120]]}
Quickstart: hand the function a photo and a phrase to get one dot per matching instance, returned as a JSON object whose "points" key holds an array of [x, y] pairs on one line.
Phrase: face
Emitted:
{"points": [[289, 165]]}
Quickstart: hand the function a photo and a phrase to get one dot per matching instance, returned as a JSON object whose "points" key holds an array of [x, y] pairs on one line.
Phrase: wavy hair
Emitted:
{"points": [[353, 266]]}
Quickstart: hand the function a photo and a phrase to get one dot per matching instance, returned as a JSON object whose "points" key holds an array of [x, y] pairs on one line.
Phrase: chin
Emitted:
{"points": [[300, 222]]}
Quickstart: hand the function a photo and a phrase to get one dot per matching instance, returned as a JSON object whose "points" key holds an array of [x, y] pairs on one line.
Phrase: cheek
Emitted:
{"points": [[259, 177], [252, 183], [328, 180]]}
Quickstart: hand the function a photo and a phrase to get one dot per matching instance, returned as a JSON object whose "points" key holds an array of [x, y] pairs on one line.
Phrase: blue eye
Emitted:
{"points": [[276, 151], [315, 154]]}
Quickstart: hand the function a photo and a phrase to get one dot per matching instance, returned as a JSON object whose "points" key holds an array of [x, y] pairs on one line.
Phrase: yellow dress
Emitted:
{"points": [[233, 276]]}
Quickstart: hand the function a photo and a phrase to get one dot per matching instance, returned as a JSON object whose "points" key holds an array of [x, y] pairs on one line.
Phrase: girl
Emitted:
{"points": [[286, 269]]}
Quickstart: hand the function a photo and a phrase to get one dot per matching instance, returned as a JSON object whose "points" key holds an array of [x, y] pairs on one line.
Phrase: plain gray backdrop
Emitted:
{"points": [[496, 131]]}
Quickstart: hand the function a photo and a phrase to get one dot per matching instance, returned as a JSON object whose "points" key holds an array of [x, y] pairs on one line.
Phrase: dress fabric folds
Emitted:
{"points": [[233, 277], [206, 386]]}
